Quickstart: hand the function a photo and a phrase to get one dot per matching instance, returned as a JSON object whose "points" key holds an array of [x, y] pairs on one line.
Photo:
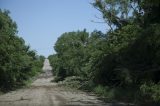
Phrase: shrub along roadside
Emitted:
{"points": [[125, 61], [18, 63], [108, 69]]}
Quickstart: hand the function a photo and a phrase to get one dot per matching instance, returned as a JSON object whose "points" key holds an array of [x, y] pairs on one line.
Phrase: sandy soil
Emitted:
{"points": [[43, 92]]}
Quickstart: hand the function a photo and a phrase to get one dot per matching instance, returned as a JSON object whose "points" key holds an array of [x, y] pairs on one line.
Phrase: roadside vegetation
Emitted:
{"points": [[122, 64], [18, 63]]}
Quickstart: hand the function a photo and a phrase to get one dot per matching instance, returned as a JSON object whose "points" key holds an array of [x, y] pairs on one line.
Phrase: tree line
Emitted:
{"points": [[18, 63], [121, 64]]}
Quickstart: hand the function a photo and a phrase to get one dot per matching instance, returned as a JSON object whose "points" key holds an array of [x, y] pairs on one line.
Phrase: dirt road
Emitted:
{"points": [[44, 93]]}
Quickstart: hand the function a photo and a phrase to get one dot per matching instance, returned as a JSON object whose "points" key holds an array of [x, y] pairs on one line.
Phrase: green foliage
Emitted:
{"points": [[123, 59], [70, 55], [115, 12], [100, 90], [73, 81], [17, 62], [151, 91]]}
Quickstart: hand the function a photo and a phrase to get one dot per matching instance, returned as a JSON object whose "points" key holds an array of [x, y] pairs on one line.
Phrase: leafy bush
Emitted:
{"points": [[100, 90], [17, 62], [73, 81], [57, 79], [151, 91], [106, 93], [122, 59]]}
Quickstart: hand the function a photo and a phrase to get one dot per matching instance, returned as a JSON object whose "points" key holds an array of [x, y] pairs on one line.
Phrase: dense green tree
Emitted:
{"points": [[126, 58], [135, 47], [70, 48], [17, 62]]}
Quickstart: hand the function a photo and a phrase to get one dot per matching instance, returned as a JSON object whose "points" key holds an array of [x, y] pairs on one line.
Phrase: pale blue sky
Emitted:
{"points": [[41, 22]]}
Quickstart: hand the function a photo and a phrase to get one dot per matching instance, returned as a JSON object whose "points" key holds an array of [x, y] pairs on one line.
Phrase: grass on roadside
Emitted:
{"points": [[105, 93]]}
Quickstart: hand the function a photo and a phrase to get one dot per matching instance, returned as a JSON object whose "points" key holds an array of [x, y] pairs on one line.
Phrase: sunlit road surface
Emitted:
{"points": [[43, 92]]}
